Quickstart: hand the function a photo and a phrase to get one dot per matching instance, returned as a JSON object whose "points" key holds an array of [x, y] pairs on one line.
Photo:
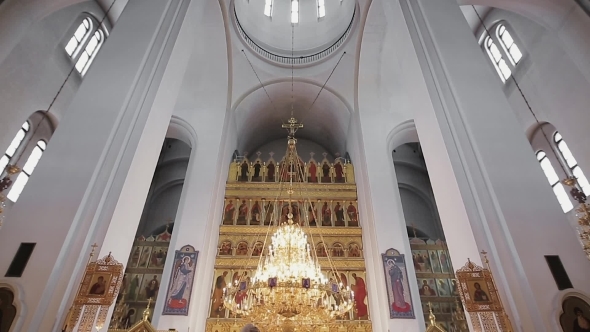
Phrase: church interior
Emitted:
{"points": [[294, 165]]}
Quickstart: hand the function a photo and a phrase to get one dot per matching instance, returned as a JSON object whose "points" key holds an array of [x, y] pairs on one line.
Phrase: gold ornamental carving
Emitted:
{"points": [[326, 230], [236, 325], [235, 262], [480, 298], [97, 292]]}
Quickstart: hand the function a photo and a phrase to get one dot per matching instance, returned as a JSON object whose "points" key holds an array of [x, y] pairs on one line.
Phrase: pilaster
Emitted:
{"points": [[489, 188]]}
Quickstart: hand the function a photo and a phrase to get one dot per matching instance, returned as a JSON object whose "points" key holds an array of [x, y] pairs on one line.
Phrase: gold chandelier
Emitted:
{"points": [[289, 289], [582, 214]]}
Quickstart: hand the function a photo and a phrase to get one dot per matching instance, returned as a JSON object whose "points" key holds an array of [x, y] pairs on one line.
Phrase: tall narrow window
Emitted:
{"points": [[28, 169], [84, 44], [79, 36], [558, 189], [509, 44], [572, 163], [89, 52], [16, 142], [294, 11], [321, 8], [497, 58], [268, 8]]}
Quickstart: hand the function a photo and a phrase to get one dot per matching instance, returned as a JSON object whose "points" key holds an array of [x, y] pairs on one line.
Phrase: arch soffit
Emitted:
{"points": [[181, 130], [411, 166], [419, 193], [403, 133], [166, 186], [535, 129]]}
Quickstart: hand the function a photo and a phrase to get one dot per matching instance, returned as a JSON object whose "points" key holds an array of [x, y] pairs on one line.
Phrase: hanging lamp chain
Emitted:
{"points": [[529, 107]]}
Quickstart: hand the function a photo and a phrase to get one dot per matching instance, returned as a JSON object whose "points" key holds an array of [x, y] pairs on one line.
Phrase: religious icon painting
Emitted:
{"points": [[435, 307], [255, 213], [446, 307], [575, 316], [101, 282], [242, 249], [351, 213], [445, 262], [434, 261], [476, 288], [221, 279], [354, 250], [145, 257], [150, 287], [442, 285], [427, 287], [421, 261], [225, 248], [158, 257], [257, 249], [229, 212], [359, 287], [398, 289], [135, 282], [134, 259], [180, 286], [241, 280]]}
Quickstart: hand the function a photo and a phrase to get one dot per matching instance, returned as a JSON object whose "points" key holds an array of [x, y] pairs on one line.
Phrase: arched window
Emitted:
{"points": [[89, 52], [508, 49], [27, 170], [294, 11], [509, 45], [14, 145], [558, 189], [84, 45], [79, 37], [268, 8], [575, 170], [321, 8], [497, 59]]}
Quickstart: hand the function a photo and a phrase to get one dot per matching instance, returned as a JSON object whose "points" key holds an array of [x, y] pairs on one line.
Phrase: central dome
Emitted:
{"points": [[311, 34]]}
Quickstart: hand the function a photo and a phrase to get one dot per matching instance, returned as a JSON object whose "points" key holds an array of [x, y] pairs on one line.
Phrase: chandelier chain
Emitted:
{"points": [[529, 107]]}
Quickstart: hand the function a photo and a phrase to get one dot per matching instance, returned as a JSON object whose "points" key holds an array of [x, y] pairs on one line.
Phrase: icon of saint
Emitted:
{"points": [[479, 294], [99, 287], [581, 323]]}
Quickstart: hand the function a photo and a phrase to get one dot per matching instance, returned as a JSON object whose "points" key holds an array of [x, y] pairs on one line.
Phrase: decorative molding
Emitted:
{"points": [[258, 230], [240, 262], [236, 325]]}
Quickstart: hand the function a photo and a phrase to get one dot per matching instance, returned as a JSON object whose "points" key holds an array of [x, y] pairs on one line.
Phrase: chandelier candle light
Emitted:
{"points": [[289, 289]]}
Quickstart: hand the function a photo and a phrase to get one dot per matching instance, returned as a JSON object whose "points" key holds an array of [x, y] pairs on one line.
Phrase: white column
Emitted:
{"points": [[110, 129], [197, 221], [203, 108], [487, 182], [382, 218]]}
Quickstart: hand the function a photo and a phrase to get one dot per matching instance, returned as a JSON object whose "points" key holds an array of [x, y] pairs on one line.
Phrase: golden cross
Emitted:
{"points": [[94, 246], [292, 125]]}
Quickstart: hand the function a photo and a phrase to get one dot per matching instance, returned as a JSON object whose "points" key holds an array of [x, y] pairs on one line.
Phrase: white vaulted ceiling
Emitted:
{"points": [[258, 118]]}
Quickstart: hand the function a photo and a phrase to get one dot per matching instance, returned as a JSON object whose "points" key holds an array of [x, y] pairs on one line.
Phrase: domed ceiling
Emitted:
{"points": [[311, 34]]}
